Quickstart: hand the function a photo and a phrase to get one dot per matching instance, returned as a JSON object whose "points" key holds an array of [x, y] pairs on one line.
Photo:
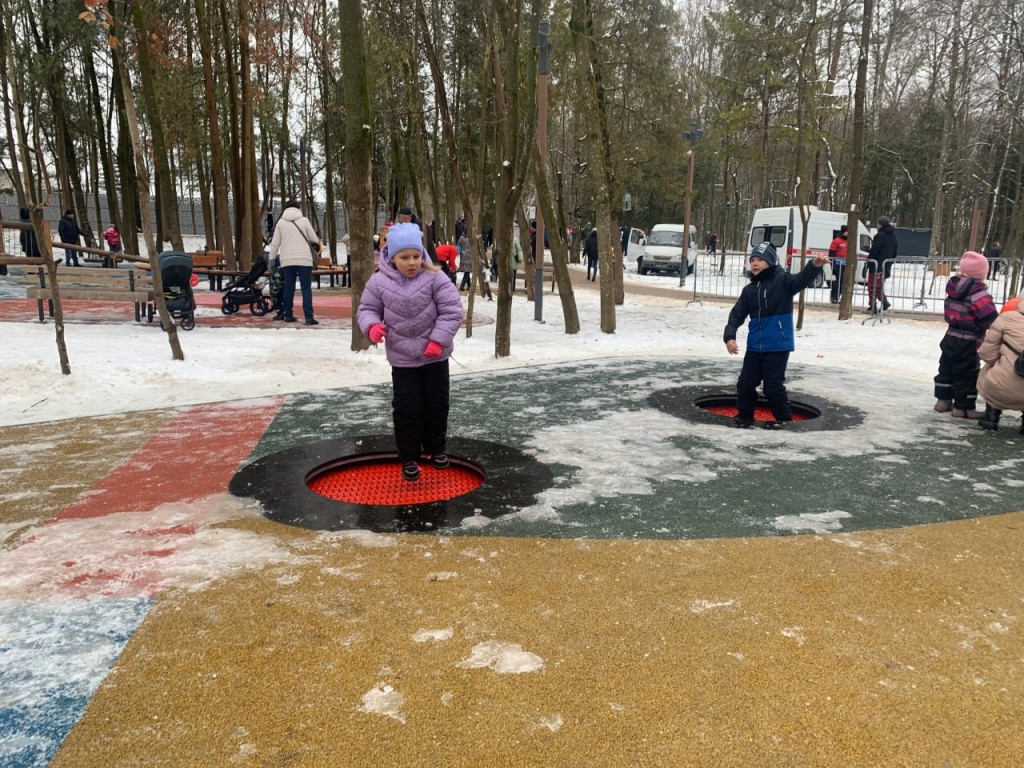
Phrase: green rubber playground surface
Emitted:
{"points": [[625, 469]]}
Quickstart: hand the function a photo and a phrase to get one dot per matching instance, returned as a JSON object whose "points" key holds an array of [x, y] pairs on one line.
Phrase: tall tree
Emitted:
{"points": [[167, 195], [358, 153]]}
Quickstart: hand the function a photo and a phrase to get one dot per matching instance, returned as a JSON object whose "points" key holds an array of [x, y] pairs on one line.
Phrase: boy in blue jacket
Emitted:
{"points": [[768, 302]]}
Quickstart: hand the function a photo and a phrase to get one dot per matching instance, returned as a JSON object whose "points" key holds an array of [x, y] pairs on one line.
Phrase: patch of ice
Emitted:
{"points": [[816, 522], [7, 530], [552, 722], [794, 633], [364, 538], [503, 658], [425, 635], [892, 459], [383, 700], [184, 545], [245, 751], [700, 606]]}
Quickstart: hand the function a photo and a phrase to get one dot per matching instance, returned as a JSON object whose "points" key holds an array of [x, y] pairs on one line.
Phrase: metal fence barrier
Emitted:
{"points": [[915, 286]]}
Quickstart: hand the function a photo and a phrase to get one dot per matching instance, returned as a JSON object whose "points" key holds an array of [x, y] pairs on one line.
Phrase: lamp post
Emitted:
{"points": [[542, 146], [691, 137]]}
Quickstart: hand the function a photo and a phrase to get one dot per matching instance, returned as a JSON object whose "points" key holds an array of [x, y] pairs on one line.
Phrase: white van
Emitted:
{"points": [[783, 228], [635, 243], [664, 250]]}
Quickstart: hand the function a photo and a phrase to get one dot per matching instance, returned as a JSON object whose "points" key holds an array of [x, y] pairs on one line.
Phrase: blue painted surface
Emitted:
{"points": [[53, 658]]}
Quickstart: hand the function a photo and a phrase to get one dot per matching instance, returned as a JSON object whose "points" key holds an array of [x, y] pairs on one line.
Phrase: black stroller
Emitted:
{"points": [[176, 273], [247, 289]]}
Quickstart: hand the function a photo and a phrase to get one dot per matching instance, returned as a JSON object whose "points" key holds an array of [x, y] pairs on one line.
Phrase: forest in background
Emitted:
{"points": [[375, 104]]}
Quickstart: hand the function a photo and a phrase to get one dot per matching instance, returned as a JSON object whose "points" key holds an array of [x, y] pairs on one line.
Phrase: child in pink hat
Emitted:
{"points": [[969, 311]]}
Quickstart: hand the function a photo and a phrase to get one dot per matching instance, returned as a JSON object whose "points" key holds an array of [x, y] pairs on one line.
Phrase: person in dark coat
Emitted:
{"points": [[69, 233], [768, 302], [995, 254], [880, 259], [29, 244], [590, 251]]}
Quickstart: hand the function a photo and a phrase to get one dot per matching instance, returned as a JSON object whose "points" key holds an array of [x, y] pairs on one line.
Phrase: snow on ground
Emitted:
{"points": [[118, 367]]}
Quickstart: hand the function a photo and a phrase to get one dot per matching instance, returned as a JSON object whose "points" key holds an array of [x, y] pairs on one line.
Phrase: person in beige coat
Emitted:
{"points": [[292, 241], [998, 383]]}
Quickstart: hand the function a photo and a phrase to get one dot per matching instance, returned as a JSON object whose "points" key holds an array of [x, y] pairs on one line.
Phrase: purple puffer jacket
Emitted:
{"points": [[415, 310]]}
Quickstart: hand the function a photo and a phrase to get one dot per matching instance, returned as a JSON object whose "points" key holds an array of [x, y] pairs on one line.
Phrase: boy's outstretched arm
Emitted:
{"points": [[807, 276]]}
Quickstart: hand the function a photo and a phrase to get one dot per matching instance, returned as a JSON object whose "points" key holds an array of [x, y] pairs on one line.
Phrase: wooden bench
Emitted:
{"points": [[332, 271], [211, 264], [97, 284]]}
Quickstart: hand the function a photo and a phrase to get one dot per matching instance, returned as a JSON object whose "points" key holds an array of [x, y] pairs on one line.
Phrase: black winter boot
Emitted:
{"points": [[991, 418]]}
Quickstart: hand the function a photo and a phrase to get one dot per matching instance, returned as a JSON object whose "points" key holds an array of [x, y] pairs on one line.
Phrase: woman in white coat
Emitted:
{"points": [[292, 241], [998, 383]]}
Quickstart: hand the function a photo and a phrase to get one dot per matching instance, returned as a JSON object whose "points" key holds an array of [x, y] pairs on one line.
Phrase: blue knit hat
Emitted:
{"points": [[404, 236], [765, 251]]}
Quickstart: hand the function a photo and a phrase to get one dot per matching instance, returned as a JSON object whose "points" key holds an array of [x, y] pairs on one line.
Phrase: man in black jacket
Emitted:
{"points": [[880, 260], [69, 232]]}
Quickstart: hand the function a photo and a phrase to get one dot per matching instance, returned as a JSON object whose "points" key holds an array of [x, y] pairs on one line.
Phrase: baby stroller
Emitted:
{"points": [[247, 290], [176, 273]]}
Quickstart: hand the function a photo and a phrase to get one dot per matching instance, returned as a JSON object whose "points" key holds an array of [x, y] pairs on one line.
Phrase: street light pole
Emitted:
{"points": [[542, 146], [691, 137]]}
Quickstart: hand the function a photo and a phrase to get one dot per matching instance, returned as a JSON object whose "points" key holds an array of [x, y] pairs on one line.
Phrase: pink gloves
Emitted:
{"points": [[377, 332], [433, 349]]}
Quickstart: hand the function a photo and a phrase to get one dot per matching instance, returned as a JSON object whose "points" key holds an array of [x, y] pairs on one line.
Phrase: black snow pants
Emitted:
{"points": [[769, 367], [957, 379], [420, 410]]}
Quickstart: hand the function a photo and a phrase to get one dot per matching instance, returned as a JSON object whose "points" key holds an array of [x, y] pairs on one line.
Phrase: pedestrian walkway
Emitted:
{"points": [[679, 592]]}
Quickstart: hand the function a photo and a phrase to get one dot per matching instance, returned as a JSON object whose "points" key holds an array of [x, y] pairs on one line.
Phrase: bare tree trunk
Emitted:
{"points": [[948, 118], [234, 155], [249, 228], [605, 204], [166, 322], [221, 215], [857, 168], [559, 251], [168, 198], [26, 193], [358, 155], [103, 134], [806, 105]]}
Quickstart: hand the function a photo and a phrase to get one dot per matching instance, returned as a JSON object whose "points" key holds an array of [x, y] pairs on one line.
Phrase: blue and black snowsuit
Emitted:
{"points": [[768, 302]]}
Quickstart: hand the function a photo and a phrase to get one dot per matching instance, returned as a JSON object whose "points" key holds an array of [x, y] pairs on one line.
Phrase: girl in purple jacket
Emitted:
{"points": [[413, 307]]}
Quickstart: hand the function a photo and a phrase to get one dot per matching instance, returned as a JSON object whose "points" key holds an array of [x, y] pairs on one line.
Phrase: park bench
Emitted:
{"points": [[97, 284], [211, 265], [331, 271]]}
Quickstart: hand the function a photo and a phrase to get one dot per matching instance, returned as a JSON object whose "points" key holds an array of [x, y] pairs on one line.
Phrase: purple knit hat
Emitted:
{"points": [[404, 236]]}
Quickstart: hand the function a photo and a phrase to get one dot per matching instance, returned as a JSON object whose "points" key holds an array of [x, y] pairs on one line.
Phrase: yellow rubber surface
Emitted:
{"points": [[896, 648]]}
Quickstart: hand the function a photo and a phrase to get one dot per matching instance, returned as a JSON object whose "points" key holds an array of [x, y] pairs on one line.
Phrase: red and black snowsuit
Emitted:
{"points": [[969, 311]]}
